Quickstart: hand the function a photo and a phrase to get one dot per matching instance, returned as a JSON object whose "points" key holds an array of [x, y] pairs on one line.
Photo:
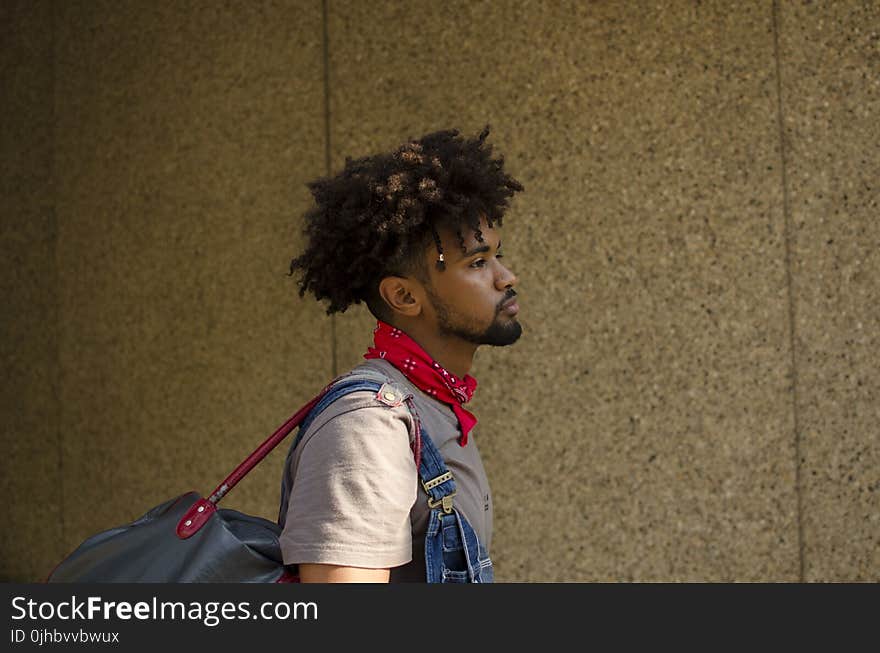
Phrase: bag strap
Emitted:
{"points": [[435, 477], [199, 513], [275, 439], [246, 465]]}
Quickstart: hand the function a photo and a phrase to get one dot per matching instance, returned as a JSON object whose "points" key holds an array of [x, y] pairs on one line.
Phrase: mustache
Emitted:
{"points": [[507, 297]]}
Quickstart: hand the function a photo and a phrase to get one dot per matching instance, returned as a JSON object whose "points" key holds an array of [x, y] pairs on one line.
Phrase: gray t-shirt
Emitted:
{"points": [[355, 497]]}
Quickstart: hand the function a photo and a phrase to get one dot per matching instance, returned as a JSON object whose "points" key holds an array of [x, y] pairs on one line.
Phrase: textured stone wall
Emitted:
{"points": [[695, 393], [642, 428], [30, 460], [184, 137], [830, 73]]}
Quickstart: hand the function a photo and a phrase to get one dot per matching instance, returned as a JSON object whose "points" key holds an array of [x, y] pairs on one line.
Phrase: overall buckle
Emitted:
{"points": [[443, 502]]}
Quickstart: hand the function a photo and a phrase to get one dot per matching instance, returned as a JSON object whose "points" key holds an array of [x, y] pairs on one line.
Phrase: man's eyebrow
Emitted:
{"points": [[479, 250]]}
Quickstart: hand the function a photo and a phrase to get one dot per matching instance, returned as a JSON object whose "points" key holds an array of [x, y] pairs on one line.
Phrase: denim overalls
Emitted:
{"points": [[453, 553]]}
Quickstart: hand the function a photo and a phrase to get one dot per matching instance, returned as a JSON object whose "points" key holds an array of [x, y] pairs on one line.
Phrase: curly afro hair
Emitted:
{"points": [[380, 214]]}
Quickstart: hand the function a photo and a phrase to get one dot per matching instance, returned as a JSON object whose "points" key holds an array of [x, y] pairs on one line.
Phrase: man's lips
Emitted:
{"points": [[511, 307]]}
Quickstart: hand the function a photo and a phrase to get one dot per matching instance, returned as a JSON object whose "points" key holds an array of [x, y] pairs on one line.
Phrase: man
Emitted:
{"points": [[415, 235]]}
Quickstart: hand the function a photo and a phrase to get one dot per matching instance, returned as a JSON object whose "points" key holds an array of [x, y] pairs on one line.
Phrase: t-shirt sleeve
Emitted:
{"points": [[354, 487]]}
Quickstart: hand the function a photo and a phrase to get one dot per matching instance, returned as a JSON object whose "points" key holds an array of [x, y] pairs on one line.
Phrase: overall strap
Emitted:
{"points": [[440, 486], [436, 479]]}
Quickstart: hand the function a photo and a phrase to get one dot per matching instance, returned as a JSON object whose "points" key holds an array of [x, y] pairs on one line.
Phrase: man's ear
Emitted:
{"points": [[401, 295]]}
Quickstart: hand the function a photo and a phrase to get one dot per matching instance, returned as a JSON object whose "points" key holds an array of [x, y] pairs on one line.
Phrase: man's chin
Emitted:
{"points": [[502, 335]]}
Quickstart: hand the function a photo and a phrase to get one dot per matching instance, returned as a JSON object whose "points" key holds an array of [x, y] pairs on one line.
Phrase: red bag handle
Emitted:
{"points": [[264, 449], [201, 510]]}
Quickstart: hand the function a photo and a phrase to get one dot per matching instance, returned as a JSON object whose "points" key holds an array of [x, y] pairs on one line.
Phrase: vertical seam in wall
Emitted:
{"points": [[326, 46], [56, 318], [786, 208]]}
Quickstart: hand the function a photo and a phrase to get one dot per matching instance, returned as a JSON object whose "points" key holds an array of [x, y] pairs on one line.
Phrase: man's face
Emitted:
{"points": [[473, 298]]}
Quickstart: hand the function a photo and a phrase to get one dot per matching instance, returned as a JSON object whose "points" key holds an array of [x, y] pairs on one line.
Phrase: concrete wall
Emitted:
{"points": [[830, 62], [30, 471], [693, 395]]}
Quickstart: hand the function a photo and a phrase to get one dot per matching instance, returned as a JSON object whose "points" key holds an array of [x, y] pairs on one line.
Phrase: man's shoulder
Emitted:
{"points": [[384, 398], [386, 384], [430, 409], [378, 368]]}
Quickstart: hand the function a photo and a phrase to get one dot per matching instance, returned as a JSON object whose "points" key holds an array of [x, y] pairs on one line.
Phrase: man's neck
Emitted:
{"points": [[454, 354]]}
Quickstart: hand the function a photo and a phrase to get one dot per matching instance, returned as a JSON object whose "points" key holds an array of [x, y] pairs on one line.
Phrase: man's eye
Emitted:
{"points": [[481, 262]]}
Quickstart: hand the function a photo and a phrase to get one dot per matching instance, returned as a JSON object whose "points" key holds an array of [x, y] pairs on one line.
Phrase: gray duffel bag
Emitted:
{"points": [[189, 539]]}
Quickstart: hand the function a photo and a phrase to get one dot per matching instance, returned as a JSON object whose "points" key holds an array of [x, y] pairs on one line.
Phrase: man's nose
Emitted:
{"points": [[507, 279]]}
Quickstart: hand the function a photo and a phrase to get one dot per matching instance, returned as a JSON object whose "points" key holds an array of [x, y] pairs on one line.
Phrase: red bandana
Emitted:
{"points": [[427, 374]]}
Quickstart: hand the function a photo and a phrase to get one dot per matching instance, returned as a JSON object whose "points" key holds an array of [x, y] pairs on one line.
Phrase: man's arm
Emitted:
{"points": [[352, 468], [315, 573]]}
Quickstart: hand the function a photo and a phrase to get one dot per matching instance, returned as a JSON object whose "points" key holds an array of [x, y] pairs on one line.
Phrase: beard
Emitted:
{"points": [[500, 333]]}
